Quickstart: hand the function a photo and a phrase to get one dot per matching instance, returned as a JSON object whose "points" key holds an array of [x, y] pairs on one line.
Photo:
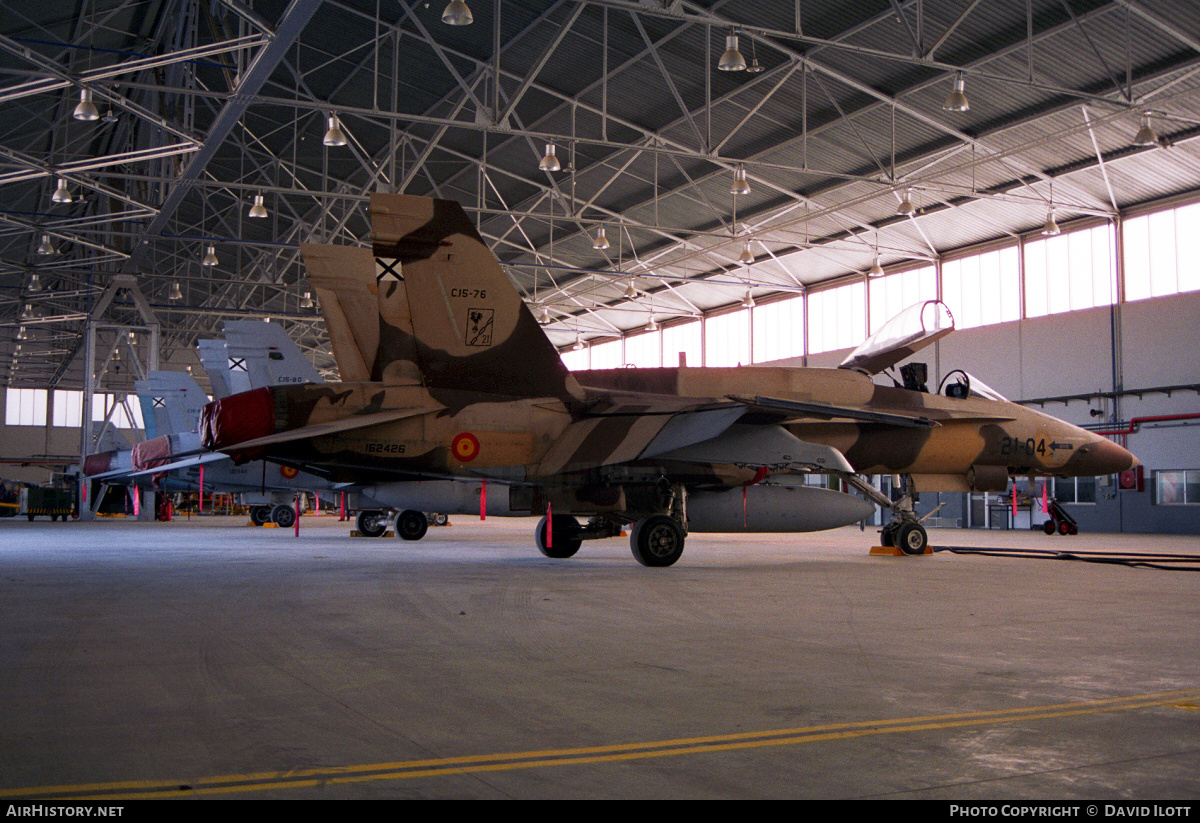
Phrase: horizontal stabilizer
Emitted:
{"points": [[357, 421]]}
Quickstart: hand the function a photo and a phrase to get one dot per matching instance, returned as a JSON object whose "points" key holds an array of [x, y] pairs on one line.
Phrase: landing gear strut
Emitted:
{"points": [[905, 532]]}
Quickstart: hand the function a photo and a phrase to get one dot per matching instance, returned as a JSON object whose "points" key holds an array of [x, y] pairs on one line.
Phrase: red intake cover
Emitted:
{"points": [[97, 463], [236, 419], [151, 453]]}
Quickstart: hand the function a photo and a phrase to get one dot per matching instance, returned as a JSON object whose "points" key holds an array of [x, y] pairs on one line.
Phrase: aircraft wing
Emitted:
{"points": [[183, 463], [796, 410]]}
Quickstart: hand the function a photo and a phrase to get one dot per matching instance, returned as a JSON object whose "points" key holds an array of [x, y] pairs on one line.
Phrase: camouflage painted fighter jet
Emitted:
{"points": [[453, 384]]}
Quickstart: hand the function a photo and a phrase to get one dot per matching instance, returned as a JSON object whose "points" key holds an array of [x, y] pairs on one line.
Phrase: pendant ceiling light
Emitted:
{"points": [[732, 59], [748, 300], [457, 14], [258, 209], [176, 292], [1051, 226], [86, 110], [334, 136], [876, 270], [46, 246], [747, 256], [957, 99], [906, 207], [550, 162], [306, 302], [35, 283], [62, 194], [1146, 135], [631, 291], [740, 184], [210, 257], [601, 242]]}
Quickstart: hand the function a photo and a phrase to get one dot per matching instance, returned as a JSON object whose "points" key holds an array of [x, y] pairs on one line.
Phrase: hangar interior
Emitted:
{"points": [[739, 181], [743, 182]]}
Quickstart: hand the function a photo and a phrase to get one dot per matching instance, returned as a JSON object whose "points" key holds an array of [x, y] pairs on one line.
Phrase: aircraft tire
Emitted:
{"points": [[411, 525], [371, 523], [887, 536], [656, 541], [1048, 527], [439, 519], [564, 534], [260, 515], [283, 516], [912, 538]]}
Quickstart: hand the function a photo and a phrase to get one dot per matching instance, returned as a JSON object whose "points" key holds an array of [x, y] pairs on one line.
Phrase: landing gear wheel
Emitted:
{"points": [[284, 516], [656, 540], [411, 525], [887, 537], [564, 536], [911, 538], [260, 515], [1048, 527], [371, 523], [439, 519]]}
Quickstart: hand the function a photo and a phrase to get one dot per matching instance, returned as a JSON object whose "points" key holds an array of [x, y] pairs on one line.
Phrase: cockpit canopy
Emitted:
{"points": [[905, 334]]}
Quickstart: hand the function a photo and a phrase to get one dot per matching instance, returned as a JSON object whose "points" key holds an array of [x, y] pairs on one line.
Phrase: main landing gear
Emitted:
{"points": [[656, 539]]}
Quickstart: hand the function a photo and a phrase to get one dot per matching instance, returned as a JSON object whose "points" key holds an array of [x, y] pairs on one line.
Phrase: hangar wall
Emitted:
{"points": [[1143, 348]]}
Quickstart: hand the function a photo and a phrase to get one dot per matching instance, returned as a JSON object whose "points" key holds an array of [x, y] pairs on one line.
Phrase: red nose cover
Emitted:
{"points": [[236, 419]]}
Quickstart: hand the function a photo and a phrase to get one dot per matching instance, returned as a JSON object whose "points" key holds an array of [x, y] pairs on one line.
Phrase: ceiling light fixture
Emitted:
{"points": [[1051, 227], [601, 242], [631, 291], [86, 110], [652, 326], [306, 302], [578, 343], [62, 194], [35, 283], [22, 334], [550, 162], [544, 316], [740, 184], [747, 256], [210, 257], [176, 292], [1146, 135], [46, 246], [876, 270], [732, 59], [957, 99], [258, 209], [334, 136], [27, 312], [754, 67], [906, 207], [748, 300], [457, 14]]}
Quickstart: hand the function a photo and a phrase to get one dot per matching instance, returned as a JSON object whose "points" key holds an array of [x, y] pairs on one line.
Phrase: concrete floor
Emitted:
{"points": [[206, 658]]}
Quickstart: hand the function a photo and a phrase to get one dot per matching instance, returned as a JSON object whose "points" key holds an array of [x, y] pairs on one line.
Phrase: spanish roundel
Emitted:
{"points": [[464, 447], [288, 471]]}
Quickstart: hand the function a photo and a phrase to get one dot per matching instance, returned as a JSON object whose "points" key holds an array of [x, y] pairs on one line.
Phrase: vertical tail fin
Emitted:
{"points": [[271, 358], [214, 357], [472, 329], [171, 402]]}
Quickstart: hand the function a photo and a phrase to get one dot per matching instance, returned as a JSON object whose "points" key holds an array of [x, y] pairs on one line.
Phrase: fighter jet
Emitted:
{"points": [[453, 384]]}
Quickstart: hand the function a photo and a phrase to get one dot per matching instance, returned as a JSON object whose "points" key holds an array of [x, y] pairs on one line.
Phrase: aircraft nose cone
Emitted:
{"points": [[1105, 457]]}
